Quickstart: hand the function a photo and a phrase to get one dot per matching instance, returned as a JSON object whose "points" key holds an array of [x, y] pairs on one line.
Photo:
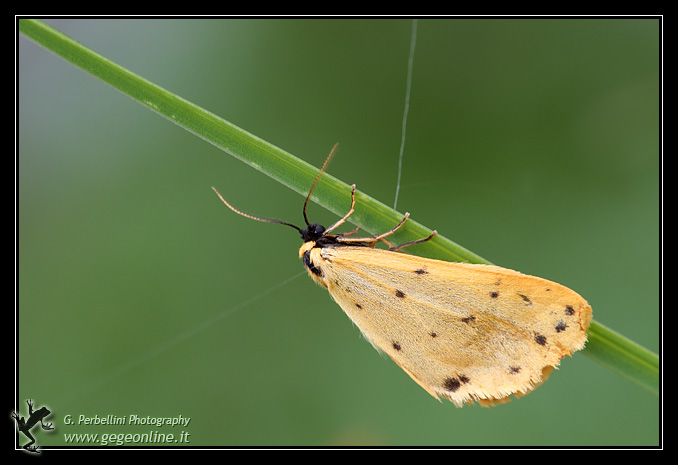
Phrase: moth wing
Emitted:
{"points": [[464, 332]]}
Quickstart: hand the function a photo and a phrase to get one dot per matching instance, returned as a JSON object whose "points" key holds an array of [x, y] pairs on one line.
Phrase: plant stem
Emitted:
{"points": [[623, 356]]}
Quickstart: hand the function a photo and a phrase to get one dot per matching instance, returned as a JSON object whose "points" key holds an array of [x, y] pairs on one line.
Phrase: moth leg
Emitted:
{"points": [[356, 240], [381, 236], [418, 241], [372, 241], [349, 233], [388, 243], [350, 212]]}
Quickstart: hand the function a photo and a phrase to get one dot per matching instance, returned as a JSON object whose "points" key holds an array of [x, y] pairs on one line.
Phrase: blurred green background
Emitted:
{"points": [[532, 142]]}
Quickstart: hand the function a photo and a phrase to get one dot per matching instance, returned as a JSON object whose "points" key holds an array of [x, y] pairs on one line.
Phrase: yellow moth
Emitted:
{"points": [[462, 331]]}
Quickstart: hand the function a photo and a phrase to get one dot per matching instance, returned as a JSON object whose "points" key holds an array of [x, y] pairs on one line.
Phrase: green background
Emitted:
{"points": [[532, 142]]}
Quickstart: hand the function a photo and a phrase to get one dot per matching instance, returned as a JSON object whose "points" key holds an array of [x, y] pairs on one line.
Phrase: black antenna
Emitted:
{"points": [[265, 220], [322, 170], [269, 220]]}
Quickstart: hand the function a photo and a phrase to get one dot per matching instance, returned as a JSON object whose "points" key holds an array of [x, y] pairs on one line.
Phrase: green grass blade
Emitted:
{"points": [[605, 346], [623, 356]]}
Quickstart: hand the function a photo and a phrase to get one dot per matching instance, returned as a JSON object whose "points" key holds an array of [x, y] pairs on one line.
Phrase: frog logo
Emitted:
{"points": [[25, 425]]}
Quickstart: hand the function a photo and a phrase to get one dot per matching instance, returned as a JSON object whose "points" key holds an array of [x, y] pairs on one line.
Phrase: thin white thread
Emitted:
{"points": [[408, 91]]}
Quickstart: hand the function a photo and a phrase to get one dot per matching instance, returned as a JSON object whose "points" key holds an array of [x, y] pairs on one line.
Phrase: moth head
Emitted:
{"points": [[312, 232]]}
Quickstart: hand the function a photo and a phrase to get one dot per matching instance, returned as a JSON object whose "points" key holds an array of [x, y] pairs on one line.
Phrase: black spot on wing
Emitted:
{"points": [[399, 293], [396, 346], [561, 326], [569, 310], [452, 384], [540, 339], [421, 271], [494, 294]]}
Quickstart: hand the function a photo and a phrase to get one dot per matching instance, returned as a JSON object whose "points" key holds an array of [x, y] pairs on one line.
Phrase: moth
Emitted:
{"points": [[465, 332]]}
